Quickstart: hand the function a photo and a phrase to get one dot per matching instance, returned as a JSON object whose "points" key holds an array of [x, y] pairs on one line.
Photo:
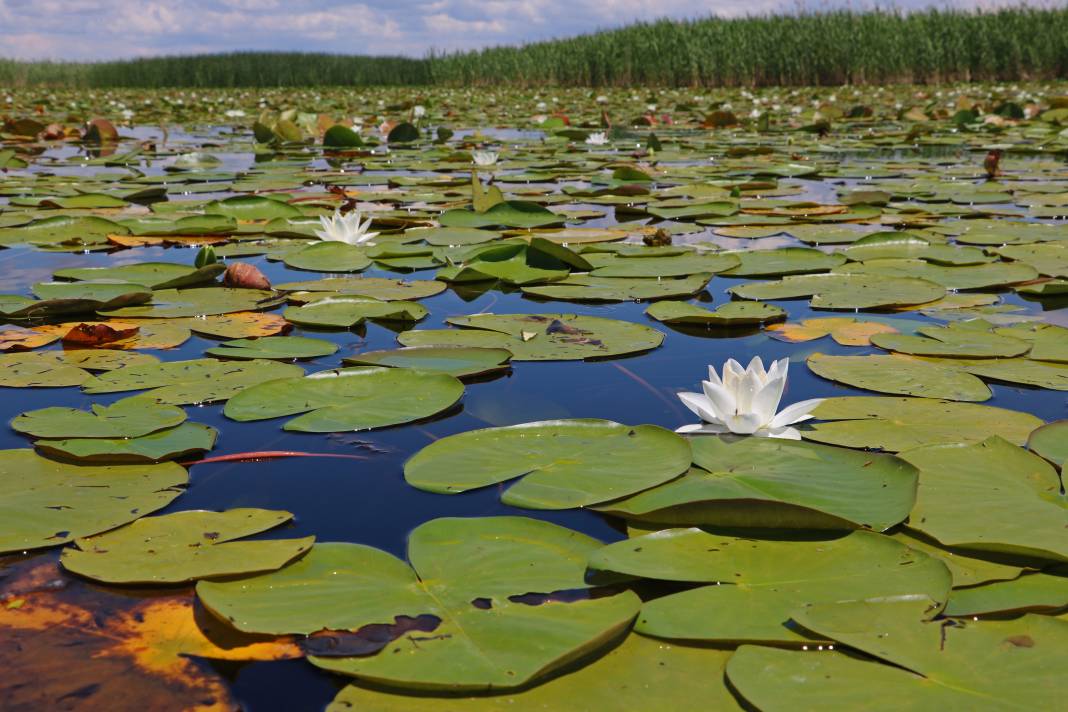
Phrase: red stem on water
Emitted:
{"points": [[268, 455]]}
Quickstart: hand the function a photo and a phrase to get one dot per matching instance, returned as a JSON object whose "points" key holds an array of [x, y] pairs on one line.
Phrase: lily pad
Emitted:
{"points": [[994, 274], [842, 291], [674, 266], [458, 361], [47, 503], [900, 375], [1051, 442], [562, 463], [185, 546], [729, 314], [783, 261], [348, 399], [1038, 592], [344, 312], [329, 257], [54, 369], [125, 419], [503, 643], [586, 288], [274, 347], [758, 583], [170, 444], [156, 275], [953, 340], [541, 337], [960, 484], [205, 380], [896, 424], [372, 287], [766, 482], [936, 664], [640, 673], [197, 302]]}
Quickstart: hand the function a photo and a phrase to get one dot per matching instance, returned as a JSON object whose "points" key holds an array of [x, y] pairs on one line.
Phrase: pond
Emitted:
{"points": [[909, 265]]}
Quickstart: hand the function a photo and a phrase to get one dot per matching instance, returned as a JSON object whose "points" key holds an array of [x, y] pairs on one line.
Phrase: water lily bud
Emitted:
{"points": [[246, 276]]}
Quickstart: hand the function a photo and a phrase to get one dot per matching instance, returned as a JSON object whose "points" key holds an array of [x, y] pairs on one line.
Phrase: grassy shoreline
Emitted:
{"points": [[829, 48]]}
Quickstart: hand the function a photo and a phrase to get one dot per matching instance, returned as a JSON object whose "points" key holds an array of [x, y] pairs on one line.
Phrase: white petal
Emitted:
{"points": [[766, 400], [779, 369], [745, 390], [721, 400], [795, 413], [783, 433], [713, 377], [700, 406], [756, 366], [702, 429], [743, 423]]}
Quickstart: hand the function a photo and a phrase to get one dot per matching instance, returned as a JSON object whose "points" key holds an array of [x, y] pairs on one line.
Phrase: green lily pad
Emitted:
{"points": [[783, 261], [329, 257], [47, 503], [585, 288], [1043, 374], [995, 665], [458, 361], [961, 484], [205, 380], [953, 340], [760, 582], [125, 419], [896, 424], [252, 207], [640, 673], [344, 312], [994, 274], [541, 337], [500, 644], [841, 291], [900, 375], [348, 399], [170, 444], [673, 266], [966, 567], [1030, 592], [156, 275], [185, 546], [197, 302], [729, 314], [1051, 442], [767, 482], [274, 347], [386, 290], [562, 463], [456, 236], [510, 213], [55, 369]]}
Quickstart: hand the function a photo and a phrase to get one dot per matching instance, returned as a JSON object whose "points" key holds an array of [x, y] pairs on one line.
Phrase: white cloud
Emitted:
{"points": [[104, 29]]}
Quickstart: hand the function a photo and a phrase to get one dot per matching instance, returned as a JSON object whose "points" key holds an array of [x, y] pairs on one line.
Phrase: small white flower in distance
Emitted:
{"points": [[745, 400], [597, 139], [484, 158]]}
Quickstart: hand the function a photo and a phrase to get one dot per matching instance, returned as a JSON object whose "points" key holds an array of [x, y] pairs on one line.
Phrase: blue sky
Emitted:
{"points": [[105, 29]]}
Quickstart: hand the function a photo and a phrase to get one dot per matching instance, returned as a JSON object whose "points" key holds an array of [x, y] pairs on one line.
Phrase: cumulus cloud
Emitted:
{"points": [[105, 29]]}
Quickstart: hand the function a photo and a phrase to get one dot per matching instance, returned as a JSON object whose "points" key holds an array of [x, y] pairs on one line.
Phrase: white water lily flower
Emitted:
{"points": [[346, 228], [235, 113], [744, 401], [484, 158], [597, 139], [418, 111]]}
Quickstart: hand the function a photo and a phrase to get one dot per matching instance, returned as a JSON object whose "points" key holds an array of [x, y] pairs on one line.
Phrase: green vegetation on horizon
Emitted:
{"points": [[807, 49]]}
